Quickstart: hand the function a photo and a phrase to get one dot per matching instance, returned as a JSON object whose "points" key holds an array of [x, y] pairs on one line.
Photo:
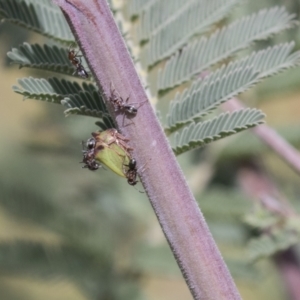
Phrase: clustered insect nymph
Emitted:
{"points": [[112, 144]]}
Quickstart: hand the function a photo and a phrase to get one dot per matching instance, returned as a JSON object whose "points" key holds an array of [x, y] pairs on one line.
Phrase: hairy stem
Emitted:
{"points": [[177, 211]]}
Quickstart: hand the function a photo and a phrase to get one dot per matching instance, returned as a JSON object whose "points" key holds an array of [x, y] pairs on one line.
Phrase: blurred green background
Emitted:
{"points": [[69, 233]]}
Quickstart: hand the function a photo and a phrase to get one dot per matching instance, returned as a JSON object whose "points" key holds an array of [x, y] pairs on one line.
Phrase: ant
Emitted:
{"points": [[88, 155], [121, 105], [131, 173], [75, 60], [81, 71], [90, 163], [73, 57]]}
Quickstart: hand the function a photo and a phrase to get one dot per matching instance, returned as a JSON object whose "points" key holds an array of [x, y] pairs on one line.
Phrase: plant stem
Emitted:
{"points": [[255, 183], [289, 267], [175, 207]]}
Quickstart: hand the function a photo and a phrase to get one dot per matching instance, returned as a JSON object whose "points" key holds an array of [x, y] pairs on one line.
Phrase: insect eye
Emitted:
{"points": [[90, 144]]}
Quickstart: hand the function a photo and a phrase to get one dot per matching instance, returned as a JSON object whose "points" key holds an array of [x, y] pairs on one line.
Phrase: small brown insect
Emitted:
{"points": [[73, 57], [75, 60]]}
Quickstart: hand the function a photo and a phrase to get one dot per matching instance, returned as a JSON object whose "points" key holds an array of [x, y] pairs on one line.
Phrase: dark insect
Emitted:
{"points": [[121, 105], [90, 144], [88, 155], [75, 60], [89, 162], [131, 173], [81, 71]]}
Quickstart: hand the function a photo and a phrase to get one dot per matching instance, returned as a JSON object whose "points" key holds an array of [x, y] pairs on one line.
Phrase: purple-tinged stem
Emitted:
{"points": [[255, 183], [270, 137], [175, 207], [289, 266]]}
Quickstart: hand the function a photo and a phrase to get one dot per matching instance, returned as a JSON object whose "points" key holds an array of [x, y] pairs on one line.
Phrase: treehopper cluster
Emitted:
{"points": [[110, 148]]}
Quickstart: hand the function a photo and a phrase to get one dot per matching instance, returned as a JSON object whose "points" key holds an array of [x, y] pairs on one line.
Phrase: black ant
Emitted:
{"points": [[75, 60], [81, 71], [88, 155], [121, 105], [90, 163], [131, 173]]}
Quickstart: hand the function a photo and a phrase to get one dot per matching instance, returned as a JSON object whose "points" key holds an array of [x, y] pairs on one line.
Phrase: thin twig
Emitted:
{"points": [[258, 185], [289, 266], [270, 137]]}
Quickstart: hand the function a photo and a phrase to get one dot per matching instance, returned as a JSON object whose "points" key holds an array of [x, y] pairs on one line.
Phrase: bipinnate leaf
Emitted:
{"points": [[39, 89], [82, 99], [198, 134], [157, 14], [201, 54], [268, 244], [50, 58], [136, 7], [86, 104], [106, 123], [272, 60], [41, 16], [205, 95], [176, 28], [51, 89]]}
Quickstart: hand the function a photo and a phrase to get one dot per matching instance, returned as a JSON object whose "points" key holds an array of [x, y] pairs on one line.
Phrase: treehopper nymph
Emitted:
{"points": [[108, 148]]}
